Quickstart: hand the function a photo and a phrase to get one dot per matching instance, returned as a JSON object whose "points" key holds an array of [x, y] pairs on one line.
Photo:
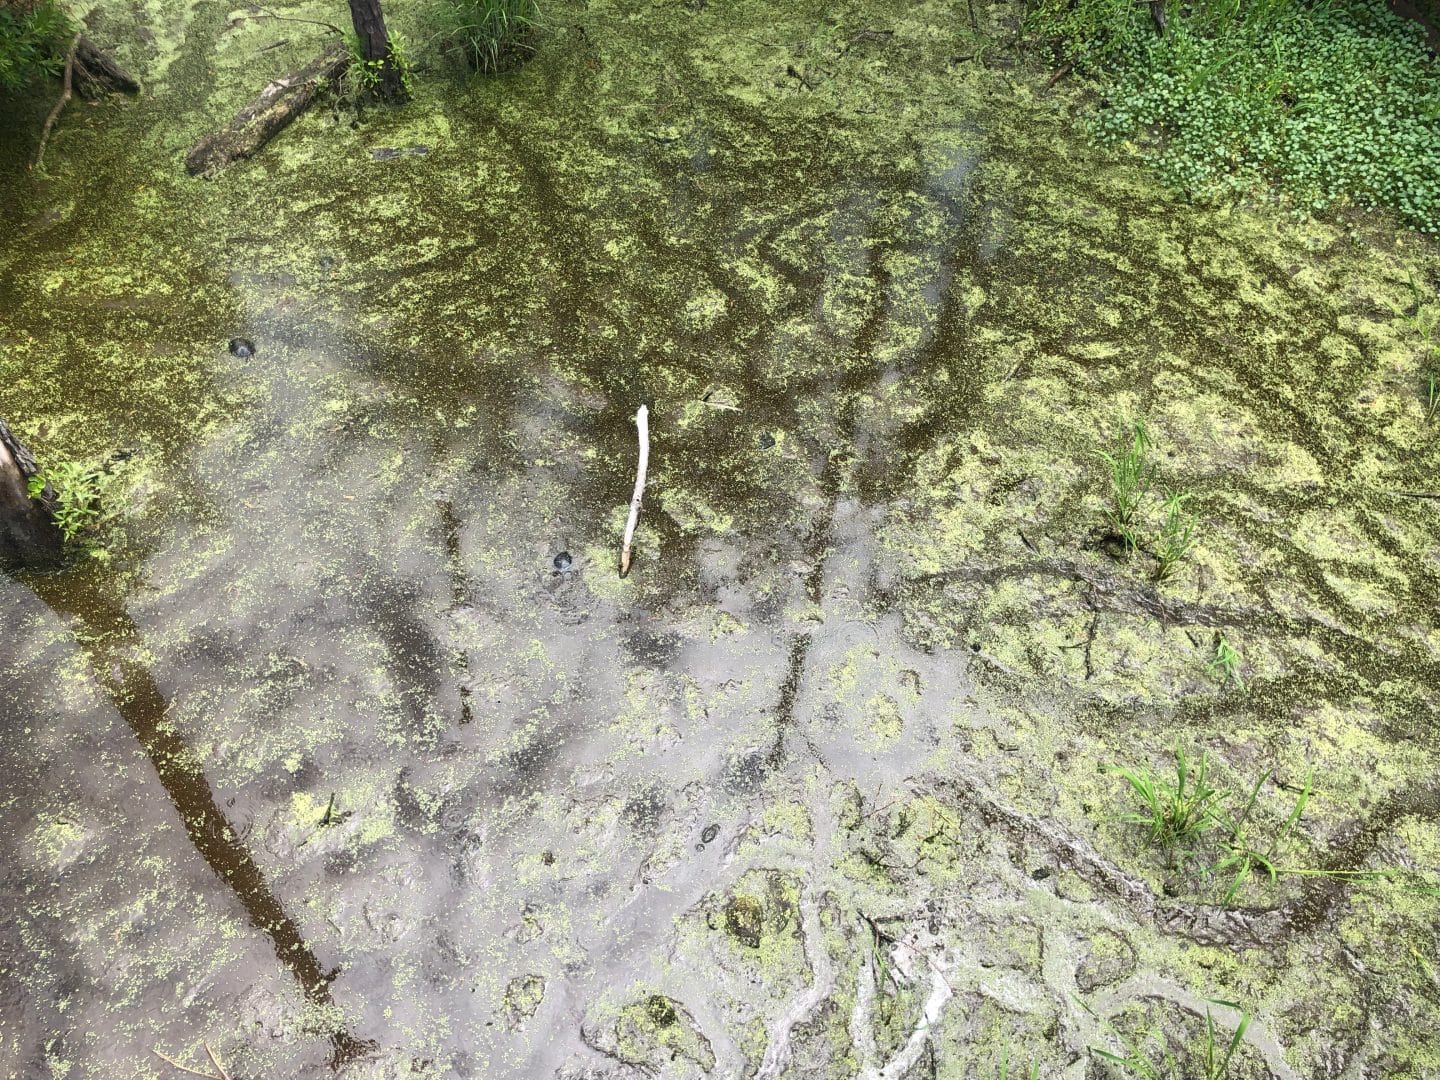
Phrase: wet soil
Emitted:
{"points": [[334, 764]]}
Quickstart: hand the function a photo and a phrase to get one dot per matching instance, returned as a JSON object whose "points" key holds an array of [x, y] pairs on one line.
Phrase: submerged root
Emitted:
{"points": [[940, 994], [1206, 924], [1257, 1035], [822, 984], [862, 1034], [67, 84]]}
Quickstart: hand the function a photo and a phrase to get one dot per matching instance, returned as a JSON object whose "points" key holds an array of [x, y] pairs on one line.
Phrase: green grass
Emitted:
{"points": [[1177, 535], [1425, 321], [1187, 818], [1225, 662], [1319, 103], [1215, 1058], [1242, 857], [1175, 813], [1130, 476], [1032, 1073], [490, 35]]}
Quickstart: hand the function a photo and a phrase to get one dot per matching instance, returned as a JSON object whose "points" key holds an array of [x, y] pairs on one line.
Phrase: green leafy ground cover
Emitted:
{"points": [[1319, 104]]}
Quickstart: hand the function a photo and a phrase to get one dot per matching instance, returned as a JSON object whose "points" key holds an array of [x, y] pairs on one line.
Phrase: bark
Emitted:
{"points": [[266, 116], [375, 50], [29, 538]]}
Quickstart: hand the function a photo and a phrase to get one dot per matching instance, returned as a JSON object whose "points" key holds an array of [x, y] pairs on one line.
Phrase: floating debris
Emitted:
{"points": [[384, 153]]}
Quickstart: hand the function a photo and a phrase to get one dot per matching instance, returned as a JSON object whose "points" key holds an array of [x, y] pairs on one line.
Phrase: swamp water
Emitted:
{"points": [[356, 754]]}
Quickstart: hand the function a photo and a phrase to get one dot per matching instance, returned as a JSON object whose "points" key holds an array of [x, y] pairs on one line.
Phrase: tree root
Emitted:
{"points": [[1206, 924], [99, 73], [862, 1037], [905, 1058], [59, 105]]}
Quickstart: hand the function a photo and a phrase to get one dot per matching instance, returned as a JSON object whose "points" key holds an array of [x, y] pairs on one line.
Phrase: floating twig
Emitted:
{"points": [[266, 13], [216, 1062], [219, 1074], [1417, 494], [59, 105], [642, 424]]}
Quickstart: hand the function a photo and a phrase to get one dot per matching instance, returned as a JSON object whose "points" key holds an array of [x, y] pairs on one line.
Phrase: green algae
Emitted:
{"points": [[570, 246]]}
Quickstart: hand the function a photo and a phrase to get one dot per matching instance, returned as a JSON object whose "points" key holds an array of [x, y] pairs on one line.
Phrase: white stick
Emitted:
{"points": [[642, 423]]}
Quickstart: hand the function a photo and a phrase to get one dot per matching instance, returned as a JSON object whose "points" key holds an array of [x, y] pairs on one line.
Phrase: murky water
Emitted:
{"points": [[333, 766]]}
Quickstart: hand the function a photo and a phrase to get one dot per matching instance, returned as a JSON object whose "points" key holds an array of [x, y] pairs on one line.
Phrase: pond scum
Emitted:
{"points": [[334, 765]]}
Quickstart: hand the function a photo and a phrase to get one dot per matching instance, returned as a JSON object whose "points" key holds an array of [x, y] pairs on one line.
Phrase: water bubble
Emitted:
{"points": [[711, 831]]}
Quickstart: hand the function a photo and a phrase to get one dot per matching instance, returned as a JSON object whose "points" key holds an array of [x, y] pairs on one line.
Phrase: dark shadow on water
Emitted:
{"points": [[107, 633]]}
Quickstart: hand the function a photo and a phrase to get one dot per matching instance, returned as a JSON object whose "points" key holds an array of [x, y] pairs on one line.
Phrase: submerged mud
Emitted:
{"points": [[335, 763]]}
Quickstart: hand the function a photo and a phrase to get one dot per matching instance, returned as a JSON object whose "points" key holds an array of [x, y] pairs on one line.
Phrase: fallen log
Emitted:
{"points": [[29, 537], [267, 115]]}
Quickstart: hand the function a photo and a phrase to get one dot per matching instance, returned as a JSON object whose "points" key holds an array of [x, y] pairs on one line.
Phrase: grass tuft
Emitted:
{"points": [[1187, 819], [1226, 662], [1130, 478], [1215, 1060], [490, 35], [1178, 813], [1177, 535]]}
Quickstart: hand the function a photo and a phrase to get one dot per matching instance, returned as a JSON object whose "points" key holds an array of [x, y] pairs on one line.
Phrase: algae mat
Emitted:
{"points": [[356, 754]]}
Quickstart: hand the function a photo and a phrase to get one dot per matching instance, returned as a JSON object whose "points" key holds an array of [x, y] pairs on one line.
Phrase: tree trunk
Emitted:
{"points": [[375, 50], [29, 538], [262, 119]]}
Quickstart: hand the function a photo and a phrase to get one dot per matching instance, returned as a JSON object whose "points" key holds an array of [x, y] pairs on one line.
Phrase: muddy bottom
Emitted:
{"points": [[349, 751]]}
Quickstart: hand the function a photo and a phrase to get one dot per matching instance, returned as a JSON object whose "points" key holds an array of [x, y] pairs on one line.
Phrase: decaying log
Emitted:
{"points": [[266, 116], [29, 537]]}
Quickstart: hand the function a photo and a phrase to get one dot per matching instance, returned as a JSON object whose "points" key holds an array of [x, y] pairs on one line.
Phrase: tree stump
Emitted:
{"points": [[29, 537], [98, 73]]}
